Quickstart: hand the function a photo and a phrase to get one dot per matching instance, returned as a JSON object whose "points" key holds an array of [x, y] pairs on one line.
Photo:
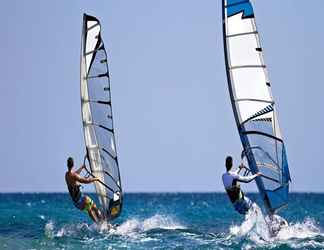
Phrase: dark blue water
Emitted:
{"points": [[157, 221]]}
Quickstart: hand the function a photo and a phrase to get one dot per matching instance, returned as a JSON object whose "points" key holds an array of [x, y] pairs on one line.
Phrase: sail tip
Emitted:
{"points": [[89, 17]]}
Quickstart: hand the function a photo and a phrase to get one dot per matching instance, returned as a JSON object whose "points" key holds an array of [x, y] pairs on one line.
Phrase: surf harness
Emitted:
{"points": [[75, 192], [234, 192]]}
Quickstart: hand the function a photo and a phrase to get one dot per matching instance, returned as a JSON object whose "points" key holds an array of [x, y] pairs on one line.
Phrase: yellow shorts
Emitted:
{"points": [[85, 203]]}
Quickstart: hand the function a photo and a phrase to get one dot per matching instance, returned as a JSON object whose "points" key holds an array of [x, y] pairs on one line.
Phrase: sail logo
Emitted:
{"points": [[237, 6]]}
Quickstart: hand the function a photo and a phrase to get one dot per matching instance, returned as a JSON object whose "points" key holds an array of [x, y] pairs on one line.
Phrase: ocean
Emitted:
{"points": [[157, 221]]}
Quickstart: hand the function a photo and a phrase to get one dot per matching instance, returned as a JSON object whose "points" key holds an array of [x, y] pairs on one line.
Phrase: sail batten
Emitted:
{"points": [[253, 104], [242, 34], [97, 118]]}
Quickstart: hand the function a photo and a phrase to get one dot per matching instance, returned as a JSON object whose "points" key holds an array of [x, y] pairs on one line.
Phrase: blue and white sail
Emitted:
{"points": [[253, 104], [97, 118]]}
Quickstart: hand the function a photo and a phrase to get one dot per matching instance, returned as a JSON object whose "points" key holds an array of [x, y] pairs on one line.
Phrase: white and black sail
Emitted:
{"points": [[97, 118], [253, 104]]}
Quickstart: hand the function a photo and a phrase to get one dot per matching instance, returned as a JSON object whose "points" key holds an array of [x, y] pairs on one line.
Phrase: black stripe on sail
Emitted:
{"points": [[98, 76], [108, 129], [103, 75], [100, 126], [95, 51], [262, 120], [91, 52], [266, 110], [93, 26], [107, 152], [102, 183], [104, 102], [102, 46], [104, 171], [90, 18], [113, 179], [99, 102], [261, 133]]}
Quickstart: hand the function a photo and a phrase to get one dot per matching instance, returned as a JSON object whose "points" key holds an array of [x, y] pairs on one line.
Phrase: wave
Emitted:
{"points": [[163, 229], [69, 230], [134, 227], [131, 227], [254, 231]]}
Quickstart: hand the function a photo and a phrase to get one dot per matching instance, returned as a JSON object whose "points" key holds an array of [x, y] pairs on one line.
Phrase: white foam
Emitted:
{"points": [[129, 227], [163, 222], [255, 228], [254, 223], [66, 230], [306, 229], [49, 229], [132, 227]]}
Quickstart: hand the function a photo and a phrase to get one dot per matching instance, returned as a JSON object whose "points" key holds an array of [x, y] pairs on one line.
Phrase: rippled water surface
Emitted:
{"points": [[157, 221]]}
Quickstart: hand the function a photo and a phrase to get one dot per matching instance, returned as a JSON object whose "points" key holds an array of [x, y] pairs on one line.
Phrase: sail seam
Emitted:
{"points": [[253, 100], [93, 26], [247, 66], [99, 102], [98, 76], [261, 133], [242, 34]]}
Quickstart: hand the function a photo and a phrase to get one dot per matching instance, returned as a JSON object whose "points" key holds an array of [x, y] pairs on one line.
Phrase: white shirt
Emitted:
{"points": [[230, 176]]}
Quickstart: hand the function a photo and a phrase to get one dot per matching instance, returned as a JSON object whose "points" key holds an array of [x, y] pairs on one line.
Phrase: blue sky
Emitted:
{"points": [[172, 111]]}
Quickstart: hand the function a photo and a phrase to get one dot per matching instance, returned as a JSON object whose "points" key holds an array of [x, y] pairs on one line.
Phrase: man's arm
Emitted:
{"points": [[80, 169], [239, 168], [247, 179], [85, 180]]}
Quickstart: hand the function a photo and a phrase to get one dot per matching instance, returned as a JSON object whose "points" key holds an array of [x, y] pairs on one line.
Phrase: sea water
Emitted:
{"points": [[157, 221]]}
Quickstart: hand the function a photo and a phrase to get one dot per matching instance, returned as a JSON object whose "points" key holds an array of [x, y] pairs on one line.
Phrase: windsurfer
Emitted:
{"points": [[241, 203], [82, 202]]}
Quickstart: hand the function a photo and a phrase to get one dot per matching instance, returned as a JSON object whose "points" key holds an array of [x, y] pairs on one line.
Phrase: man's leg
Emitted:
{"points": [[243, 205], [89, 207], [92, 215], [96, 211]]}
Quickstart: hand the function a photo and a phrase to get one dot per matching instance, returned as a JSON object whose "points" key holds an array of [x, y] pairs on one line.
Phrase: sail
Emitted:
{"points": [[253, 104], [97, 118]]}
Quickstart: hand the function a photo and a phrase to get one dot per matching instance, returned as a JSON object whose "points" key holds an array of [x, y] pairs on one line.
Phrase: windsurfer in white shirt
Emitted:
{"points": [[231, 180]]}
